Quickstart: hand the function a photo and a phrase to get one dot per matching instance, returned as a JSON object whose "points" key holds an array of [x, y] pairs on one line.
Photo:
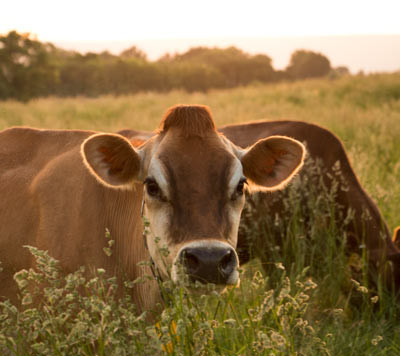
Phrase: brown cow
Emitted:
{"points": [[61, 189], [321, 144]]}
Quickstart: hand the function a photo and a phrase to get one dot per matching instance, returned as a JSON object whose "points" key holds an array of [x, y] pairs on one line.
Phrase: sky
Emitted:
{"points": [[53, 20], [77, 23]]}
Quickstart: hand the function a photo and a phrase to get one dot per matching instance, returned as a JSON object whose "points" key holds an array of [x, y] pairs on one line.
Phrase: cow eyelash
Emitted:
{"points": [[152, 187]]}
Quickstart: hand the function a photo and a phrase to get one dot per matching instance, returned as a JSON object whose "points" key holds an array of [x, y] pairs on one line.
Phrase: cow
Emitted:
{"points": [[367, 229], [61, 189]]}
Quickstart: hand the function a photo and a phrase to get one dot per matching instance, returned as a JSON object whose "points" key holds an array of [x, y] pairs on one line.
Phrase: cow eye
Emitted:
{"points": [[152, 187], [240, 186]]}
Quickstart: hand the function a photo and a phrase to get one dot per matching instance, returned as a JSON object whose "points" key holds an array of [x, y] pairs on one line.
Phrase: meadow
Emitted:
{"points": [[293, 306]]}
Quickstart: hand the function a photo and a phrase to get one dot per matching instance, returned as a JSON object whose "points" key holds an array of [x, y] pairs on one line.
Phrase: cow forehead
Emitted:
{"points": [[196, 161], [199, 174]]}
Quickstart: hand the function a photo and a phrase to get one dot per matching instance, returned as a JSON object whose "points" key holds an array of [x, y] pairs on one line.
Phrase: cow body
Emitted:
{"points": [[60, 190]]}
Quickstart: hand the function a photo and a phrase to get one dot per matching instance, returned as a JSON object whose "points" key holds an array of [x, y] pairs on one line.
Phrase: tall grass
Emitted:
{"points": [[303, 295]]}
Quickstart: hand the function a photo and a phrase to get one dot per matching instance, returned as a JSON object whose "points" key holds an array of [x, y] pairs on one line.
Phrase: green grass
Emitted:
{"points": [[310, 298]]}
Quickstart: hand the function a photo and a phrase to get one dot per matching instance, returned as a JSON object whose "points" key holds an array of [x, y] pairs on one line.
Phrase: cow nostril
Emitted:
{"points": [[209, 264], [191, 262], [227, 263]]}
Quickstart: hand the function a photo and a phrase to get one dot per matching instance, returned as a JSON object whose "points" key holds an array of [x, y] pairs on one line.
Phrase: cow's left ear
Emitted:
{"points": [[272, 162], [112, 160]]}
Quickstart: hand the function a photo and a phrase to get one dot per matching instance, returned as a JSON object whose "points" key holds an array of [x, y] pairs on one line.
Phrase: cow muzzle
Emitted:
{"points": [[209, 262]]}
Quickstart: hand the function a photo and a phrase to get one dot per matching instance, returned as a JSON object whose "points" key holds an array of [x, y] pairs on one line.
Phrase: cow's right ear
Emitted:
{"points": [[112, 160], [396, 237]]}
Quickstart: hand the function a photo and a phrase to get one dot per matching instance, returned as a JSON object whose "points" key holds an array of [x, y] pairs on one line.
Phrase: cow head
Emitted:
{"points": [[194, 181]]}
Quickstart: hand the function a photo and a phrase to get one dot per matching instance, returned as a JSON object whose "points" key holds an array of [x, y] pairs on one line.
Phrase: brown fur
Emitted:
{"points": [[191, 120], [138, 137], [137, 142], [191, 137]]}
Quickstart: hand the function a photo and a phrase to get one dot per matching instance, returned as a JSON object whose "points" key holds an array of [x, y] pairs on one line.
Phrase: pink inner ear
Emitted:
{"points": [[106, 152], [110, 159], [260, 164], [270, 161], [268, 166]]}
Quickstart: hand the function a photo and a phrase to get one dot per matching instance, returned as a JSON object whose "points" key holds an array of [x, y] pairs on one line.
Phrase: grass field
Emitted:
{"points": [[292, 309]]}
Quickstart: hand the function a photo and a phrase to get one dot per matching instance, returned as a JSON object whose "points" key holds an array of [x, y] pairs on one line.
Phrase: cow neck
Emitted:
{"points": [[120, 213]]}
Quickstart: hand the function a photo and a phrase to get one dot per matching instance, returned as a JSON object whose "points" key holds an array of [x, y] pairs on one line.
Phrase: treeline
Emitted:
{"points": [[29, 69]]}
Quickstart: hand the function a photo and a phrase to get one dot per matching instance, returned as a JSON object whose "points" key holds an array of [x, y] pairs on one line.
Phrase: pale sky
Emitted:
{"points": [[88, 20], [273, 27]]}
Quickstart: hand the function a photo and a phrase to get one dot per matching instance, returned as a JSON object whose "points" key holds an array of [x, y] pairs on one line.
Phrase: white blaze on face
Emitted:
{"points": [[235, 207], [159, 215], [236, 175], [157, 171]]}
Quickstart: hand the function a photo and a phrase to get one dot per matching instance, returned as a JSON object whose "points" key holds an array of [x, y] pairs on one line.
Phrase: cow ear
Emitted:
{"points": [[272, 162], [111, 159], [396, 237]]}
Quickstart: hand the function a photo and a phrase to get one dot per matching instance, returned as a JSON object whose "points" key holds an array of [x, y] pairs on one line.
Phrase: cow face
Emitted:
{"points": [[194, 194], [194, 181]]}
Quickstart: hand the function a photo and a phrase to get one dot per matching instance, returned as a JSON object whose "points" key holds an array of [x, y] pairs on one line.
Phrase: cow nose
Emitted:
{"points": [[216, 265]]}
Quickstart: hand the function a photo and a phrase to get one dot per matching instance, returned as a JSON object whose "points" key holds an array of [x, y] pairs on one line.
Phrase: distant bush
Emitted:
{"points": [[308, 64], [29, 69], [234, 67]]}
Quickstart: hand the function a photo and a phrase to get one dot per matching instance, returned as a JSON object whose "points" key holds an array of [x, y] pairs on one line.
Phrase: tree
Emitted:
{"points": [[133, 52], [234, 66], [308, 64], [260, 69], [26, 68]]}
